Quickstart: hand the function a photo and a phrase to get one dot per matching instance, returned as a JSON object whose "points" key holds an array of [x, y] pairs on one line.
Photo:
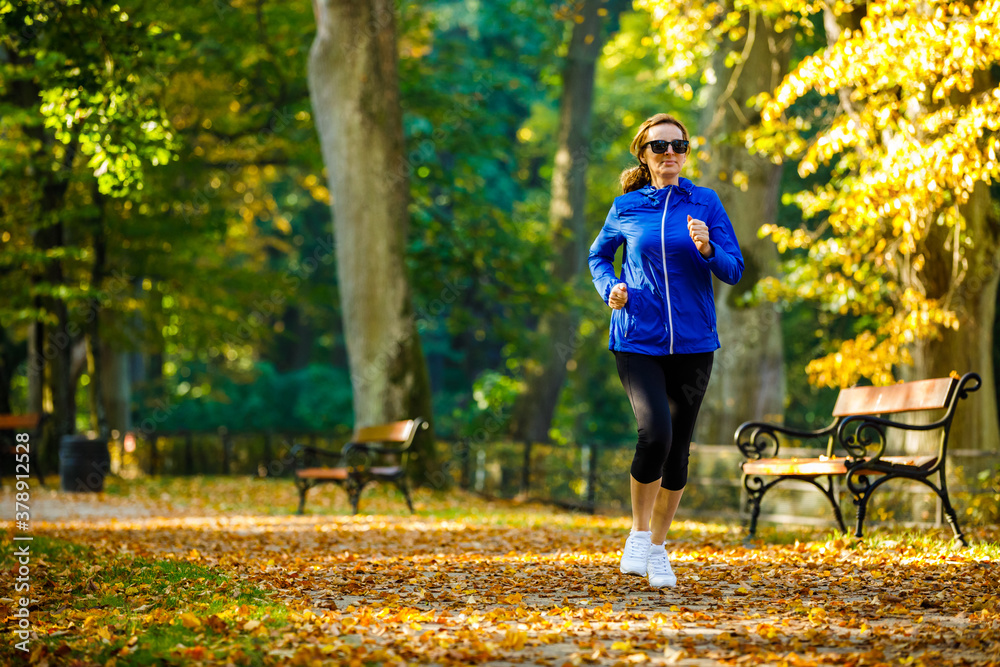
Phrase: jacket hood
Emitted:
{"points": [[683, 185]]}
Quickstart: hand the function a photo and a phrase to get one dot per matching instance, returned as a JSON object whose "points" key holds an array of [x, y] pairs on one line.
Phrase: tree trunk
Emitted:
{"points": [[94, 311], [6, 376], [36, 366], [974, 300], [557, 334], [57, 347], [293, 346], [50, 346], [748, 378], [354, 86], [7, 369], [117, 394]]}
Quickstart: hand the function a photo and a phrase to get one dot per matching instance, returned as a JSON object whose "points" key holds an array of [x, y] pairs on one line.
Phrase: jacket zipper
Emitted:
{"points": [[666, 281]]}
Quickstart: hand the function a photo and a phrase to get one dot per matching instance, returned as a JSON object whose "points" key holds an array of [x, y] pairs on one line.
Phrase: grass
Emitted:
{"points": [[98, 604]]}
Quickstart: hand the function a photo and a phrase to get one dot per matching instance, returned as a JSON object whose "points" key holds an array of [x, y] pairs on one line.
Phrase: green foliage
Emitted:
{"points": [[83, 62], [464, 100], [312, 399], [171, 111], [181, 137]]}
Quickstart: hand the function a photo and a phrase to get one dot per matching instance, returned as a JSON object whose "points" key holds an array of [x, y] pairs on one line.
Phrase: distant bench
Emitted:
{"points": [[856, 446], [10, 426], [374, 454]]}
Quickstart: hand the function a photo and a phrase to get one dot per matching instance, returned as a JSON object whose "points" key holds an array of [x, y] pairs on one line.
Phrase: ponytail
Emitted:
{"points": [[634, 178]]}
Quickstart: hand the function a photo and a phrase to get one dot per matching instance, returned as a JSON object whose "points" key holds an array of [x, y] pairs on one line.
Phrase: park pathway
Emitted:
{"points": [[499, 584]]}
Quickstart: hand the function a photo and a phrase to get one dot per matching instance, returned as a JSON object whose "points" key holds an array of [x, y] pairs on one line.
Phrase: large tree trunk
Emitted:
{"points": [[557, 328], [354, 86], [974, 300], [748, 379], [293, 346]]}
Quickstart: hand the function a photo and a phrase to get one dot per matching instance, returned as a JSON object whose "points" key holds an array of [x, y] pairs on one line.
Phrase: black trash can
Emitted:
{"points": [[83, 463]]}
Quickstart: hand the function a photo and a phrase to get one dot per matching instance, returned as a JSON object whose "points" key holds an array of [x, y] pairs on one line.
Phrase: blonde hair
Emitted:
{"points": [[638, 176]]}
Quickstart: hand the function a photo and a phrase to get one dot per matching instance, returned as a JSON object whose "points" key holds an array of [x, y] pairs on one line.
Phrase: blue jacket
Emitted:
{"points": [[671, 304]]}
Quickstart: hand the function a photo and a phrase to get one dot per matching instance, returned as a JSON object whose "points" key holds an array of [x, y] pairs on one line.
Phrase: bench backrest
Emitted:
{"points": [[401, 432], [904, 397], [18, 422]]}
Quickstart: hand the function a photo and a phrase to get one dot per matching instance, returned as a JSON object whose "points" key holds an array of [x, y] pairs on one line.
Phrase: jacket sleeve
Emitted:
{"points": [[727, 262], [602, 254]]}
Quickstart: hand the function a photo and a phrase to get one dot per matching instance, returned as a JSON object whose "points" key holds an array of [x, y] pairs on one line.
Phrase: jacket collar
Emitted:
{"points": [[684, 186]]}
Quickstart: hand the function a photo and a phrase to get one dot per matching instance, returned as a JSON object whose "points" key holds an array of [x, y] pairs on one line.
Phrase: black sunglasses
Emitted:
{"points": [[660, 146]]}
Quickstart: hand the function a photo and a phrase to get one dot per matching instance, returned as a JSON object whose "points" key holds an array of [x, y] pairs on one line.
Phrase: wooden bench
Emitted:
{"points": [[856, 446], [374, 454], [10, 425]]}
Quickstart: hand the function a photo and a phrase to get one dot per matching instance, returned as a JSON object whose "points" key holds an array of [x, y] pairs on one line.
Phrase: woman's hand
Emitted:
{"points": [[699, 234], [618, 296]]}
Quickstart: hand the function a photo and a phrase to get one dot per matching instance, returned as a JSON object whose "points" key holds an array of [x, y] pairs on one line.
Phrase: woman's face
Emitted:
{"points": [[666, 166]]}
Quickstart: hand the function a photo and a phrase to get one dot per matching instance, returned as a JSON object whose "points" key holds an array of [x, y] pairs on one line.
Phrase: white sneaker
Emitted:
{"points": [[658, 567], [635, 553]]}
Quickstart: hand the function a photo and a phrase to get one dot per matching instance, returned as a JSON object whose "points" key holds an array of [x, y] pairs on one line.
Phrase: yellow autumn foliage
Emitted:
{"points": [[906, 126], [911, 133]]}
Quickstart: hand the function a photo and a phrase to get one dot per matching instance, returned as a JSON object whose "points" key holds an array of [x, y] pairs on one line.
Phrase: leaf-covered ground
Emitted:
{"points": [[216, 571]]}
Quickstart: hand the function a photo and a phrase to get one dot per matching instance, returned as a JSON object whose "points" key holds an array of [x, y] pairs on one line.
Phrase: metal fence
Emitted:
{"points": [[592, 477]]}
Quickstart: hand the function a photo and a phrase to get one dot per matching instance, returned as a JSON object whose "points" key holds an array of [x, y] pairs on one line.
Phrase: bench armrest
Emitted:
{"points": [[864, 436], [300, 453], [360, 452], [363, 446], [755, 439]]}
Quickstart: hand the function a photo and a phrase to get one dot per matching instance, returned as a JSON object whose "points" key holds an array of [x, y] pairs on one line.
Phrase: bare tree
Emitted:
{"points": [[748, 380], [354, 86], [546, 371]]}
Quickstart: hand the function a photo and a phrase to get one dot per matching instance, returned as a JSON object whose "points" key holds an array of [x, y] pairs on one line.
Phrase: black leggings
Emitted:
{"points": [[666, 394]]}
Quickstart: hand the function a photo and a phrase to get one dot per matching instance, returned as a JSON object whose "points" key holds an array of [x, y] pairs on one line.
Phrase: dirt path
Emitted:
{"points": [[478, 589]]}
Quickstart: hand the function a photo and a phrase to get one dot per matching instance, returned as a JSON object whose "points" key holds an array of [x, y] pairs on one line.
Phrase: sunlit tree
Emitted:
{"points": [[899, 113]]}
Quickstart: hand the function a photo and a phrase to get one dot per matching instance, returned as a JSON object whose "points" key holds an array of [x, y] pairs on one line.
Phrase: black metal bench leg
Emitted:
{"points": [[303, 489], [354, 488], [949, 511], [861, 489], [840, 517], [755, 492], [404, 487], [754, 515], [862, 504], [830, 491], [836, 505]]}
